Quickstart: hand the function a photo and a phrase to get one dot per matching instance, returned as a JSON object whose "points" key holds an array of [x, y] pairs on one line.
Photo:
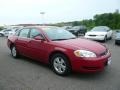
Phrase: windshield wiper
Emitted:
{"points": [[73, 38], [58, 39]]}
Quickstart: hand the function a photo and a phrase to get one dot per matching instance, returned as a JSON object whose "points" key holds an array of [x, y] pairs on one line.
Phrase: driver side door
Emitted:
{"points": [[36, 47]]}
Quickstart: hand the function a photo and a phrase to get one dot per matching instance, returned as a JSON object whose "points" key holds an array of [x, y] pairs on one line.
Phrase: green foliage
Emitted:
{"points": [[108, 19], [88, 23], [111, 20], [1, 28], [75, 23]]}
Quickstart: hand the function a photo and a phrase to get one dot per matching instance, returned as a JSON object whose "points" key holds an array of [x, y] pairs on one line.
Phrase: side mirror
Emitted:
{"points": [[38, 38]]}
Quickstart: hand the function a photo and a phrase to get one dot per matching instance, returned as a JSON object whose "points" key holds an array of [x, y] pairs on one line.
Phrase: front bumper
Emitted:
{"points": [[95, 37], [117, 41], [88, 65]]}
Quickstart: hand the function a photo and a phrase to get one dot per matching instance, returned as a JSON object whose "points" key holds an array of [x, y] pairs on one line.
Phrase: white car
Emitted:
{"points": [[99, 33], [2, 33], [12, 32], [5, 32]]}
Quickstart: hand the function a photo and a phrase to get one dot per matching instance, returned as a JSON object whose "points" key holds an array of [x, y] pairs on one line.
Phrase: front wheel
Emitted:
{"points": [[110, 38], [60, 64], [14, 52], [1, 35], [105, 39]]}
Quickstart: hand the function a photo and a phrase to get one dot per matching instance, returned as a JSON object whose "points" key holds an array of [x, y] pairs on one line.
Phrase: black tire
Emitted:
{"points": [[1, 35], [14, 52], [84, 33], [105, 39], [110, 38], [78, 34], [55, 65], [116, 43]]}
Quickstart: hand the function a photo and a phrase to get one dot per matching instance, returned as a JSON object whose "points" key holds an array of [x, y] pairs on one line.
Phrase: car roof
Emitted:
{"points": [[40, 26]]}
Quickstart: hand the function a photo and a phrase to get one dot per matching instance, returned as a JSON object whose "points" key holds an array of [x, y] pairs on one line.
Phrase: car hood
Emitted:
{"points": [[83, 44], [96, 33]]}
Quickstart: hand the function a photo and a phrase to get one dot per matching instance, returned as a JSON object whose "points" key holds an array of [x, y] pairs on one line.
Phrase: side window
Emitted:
{"points": [[24, 33], [17, 32], [34, 33]]}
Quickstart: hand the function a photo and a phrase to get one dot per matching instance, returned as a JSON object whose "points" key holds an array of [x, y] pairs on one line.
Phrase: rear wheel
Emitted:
{"points": [[14, 52], [110, 38], [60, 64], [116, 43]]}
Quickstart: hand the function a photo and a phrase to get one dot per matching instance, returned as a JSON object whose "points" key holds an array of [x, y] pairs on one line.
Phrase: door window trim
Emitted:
{"points": [[39, 32]]}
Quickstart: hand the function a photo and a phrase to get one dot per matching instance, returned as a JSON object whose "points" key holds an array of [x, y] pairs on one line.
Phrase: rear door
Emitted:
{"points": [[22, 41]]}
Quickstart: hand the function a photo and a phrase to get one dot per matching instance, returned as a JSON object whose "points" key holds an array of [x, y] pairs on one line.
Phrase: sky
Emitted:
{"points": [[28, 11]]}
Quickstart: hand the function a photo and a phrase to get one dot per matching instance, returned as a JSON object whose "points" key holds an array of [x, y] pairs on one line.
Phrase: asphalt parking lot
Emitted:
{"points": [[26, 74]]}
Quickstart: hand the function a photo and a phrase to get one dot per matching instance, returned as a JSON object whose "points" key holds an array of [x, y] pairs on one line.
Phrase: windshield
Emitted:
{"points": [[118, 34], [76, 27], [56, 33], [100, 29]]}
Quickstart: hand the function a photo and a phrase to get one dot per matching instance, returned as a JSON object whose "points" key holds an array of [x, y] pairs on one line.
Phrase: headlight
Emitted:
{"points": [[84, 53]]}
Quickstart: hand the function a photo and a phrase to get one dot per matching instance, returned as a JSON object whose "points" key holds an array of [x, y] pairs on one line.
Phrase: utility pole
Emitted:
{"points": [[42, 18]]}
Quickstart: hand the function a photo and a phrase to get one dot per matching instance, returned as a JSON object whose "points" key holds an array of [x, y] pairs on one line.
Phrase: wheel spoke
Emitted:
{"points": [[56, 64], [63, 67], [62, 61], [57, 60], [14, 51], [60, 69]]}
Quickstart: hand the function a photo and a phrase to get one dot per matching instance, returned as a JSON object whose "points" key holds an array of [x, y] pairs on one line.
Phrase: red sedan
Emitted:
{"points": [[59, 48]]}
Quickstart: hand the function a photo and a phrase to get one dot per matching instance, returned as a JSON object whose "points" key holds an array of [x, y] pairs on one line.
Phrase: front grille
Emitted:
{"points": [[93, 35]]}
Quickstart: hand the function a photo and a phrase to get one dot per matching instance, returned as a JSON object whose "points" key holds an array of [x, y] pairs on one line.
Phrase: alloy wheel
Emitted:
{"points": [[59, 65]]}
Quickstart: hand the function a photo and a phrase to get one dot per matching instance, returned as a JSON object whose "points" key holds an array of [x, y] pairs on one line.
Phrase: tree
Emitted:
{"points": [[1, 28], [111, 20], [108, 19], [75, 23]]}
